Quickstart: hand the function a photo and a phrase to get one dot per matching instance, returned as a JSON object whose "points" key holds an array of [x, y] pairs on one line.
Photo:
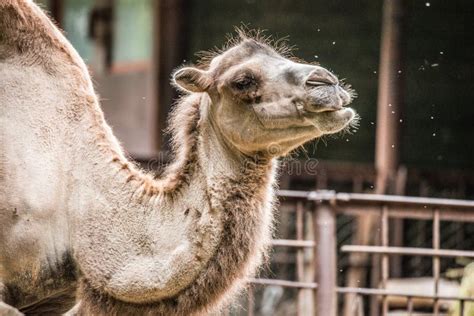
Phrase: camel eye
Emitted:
{"points": [[245, 83]]}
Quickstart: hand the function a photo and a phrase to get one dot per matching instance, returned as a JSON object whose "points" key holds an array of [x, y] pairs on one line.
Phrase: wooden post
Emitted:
{"points": [[390, 96], [389, 109], [169, 48], [325, 254], [57, 11]]}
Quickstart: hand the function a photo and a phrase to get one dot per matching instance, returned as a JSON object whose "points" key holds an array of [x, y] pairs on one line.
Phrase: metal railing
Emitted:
{"points": [[325, 206]]}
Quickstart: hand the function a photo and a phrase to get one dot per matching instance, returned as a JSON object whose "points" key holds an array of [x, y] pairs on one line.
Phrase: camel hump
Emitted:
{"points": [[24, 25], [28, 37]]}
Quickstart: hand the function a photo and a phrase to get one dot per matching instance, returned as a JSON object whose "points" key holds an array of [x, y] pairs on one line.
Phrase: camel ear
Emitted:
{"points": [[192, 79]]}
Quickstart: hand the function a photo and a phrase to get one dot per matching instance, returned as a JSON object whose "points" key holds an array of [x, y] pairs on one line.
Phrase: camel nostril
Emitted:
{"points": [[320, 77], [317, 83]]}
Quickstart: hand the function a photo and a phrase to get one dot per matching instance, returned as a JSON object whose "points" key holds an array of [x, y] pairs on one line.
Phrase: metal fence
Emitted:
{"points": [[325, 206]]}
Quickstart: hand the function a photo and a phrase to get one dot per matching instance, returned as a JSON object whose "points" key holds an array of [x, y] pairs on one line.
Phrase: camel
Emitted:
{"points": [[85, 231]]}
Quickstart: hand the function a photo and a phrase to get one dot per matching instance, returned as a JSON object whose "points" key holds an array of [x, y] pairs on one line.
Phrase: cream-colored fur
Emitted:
{"points": [[75, 213]]}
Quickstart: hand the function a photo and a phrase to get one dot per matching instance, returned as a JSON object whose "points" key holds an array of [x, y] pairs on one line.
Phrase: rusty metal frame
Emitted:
{"points": [[327, 204]]}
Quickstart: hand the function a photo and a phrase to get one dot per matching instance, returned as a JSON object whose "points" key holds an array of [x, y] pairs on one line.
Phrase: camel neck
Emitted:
{"points": [[182, 219], [212, 217]]}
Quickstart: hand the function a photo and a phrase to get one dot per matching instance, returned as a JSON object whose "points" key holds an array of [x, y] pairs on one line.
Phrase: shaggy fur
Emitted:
{"points": [[77, 215]]}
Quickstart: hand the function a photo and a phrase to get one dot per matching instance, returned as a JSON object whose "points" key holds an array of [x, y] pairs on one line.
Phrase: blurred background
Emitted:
{"points": [[411, 63]]}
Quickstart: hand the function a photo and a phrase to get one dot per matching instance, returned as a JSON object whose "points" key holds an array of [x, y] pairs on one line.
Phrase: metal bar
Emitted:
{"points": [[436, 259], [408, 200], [251, 301], [360, 305], [310, 264], [294, 194], [293, 243], [323, 195], [419, 208], [284, 283], [410, 305], [325, 254], [385, 258], [397, 211], [300, 255], [380, 292], [408, 251]]}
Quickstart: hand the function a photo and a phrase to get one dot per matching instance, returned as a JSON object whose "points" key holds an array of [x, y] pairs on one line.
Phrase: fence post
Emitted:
{"points": [[325, 254]]}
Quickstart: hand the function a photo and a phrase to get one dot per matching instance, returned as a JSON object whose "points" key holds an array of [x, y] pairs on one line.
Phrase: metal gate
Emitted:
{"points": [[325, 207]]}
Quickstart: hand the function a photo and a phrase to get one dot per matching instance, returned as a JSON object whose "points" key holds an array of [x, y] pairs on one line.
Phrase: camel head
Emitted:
{"points": [[265, 102]]}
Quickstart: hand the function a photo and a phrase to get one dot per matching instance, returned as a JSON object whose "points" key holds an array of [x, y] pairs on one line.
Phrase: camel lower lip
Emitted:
{"points": [[334, 110], [346, 111], [323, 109], [337, 118]]}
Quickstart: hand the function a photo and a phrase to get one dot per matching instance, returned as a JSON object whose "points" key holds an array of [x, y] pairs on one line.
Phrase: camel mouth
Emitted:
{"points": [[328, 98], [333, 121], [325, 111]]}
